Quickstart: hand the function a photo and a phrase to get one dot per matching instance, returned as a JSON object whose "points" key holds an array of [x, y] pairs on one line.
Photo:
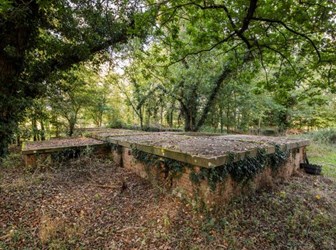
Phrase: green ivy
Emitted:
{"points": [[173, 167], [144, 157], [279, 157], [246, 169], [113, 146], [241, 171]]}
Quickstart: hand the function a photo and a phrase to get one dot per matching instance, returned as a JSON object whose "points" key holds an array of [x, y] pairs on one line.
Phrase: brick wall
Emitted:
{"points": [[201, 194], [34, 159]]}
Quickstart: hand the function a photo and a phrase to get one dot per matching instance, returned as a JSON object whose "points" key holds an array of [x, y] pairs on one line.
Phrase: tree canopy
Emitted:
{"points": [[41, 37], [232, 64]]}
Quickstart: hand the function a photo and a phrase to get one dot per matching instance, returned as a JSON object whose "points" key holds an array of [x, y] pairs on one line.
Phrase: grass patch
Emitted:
{"points": [[325, 155]]}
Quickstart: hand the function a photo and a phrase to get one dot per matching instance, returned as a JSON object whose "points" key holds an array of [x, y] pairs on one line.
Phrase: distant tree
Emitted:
{"points": [[38, 114], [72, 92]]}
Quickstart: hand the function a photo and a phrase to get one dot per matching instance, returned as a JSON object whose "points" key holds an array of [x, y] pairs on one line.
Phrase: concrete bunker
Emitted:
{"points": [[206, 169]]}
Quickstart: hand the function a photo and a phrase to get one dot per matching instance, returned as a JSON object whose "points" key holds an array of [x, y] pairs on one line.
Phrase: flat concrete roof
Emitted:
{"points": [[103, 134], [200, 149], [205, 150], [59, 144]]}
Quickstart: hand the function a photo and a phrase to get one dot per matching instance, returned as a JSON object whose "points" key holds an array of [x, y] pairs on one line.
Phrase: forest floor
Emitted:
{"points": [[91, 204]]}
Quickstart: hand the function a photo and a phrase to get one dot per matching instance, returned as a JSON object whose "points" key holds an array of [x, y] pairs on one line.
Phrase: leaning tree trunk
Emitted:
{"points": [[226, 73]]}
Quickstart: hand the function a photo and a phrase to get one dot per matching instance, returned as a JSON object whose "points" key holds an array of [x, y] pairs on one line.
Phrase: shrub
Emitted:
{"points": [[327, 136], [11, 160], [116, 124]]}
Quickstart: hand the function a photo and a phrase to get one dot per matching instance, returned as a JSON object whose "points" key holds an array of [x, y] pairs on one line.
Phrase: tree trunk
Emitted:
{"points": [[190, 121], [221, 119], [57, 133], [141, 121], [72, 122], [18, 33], [187, 122], [42, 131], [161, 115], [171, 120], [34, 129], [140, 115], [189, 109], [18, 140], [235, 119], [259, 125], [71, 128], [228, 119]]}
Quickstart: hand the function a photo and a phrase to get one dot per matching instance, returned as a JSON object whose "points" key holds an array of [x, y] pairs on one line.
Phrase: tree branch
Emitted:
{"points": [[143, 99], [280, 53], [262, 62], [291, 30], [203, 50]]}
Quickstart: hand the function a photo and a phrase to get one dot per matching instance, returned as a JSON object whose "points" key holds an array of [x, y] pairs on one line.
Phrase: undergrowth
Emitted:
{"points": [[89, 203], [324, 136], [12, 160]]}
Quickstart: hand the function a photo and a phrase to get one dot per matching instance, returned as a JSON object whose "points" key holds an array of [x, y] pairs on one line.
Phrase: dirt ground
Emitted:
{"points": [[91, 204]]}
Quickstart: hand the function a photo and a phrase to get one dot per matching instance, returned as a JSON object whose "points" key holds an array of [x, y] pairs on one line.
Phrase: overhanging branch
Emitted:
{"points": [[203, 50], [280, 53], [290, 30]]}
